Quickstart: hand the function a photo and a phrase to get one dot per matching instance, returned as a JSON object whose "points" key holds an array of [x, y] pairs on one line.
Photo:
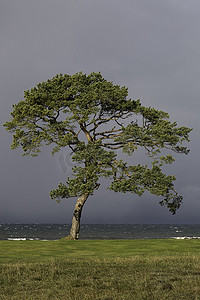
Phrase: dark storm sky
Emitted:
{"points": [[152, 47]]}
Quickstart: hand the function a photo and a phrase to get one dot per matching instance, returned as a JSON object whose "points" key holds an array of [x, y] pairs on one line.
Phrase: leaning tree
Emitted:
{"points": [[96, 119]]}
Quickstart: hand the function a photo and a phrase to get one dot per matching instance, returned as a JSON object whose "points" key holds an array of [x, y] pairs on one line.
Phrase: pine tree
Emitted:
{"points": [[95, 118]]}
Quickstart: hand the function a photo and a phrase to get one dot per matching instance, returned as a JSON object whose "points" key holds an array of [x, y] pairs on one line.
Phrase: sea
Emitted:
{"points": [[47, 232]]}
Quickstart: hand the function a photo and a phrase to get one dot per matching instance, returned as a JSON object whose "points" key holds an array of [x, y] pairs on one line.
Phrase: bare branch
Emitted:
{"points": [[87, 133], [71, 148], [120, 124], [108, 131]]}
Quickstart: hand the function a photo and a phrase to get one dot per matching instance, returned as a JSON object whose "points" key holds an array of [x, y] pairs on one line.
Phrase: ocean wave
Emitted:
{"points": [[25, 239], [186, 237]]}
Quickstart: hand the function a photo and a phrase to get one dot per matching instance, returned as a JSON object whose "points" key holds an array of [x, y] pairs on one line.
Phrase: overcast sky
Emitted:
{"points": [[151, 46]]}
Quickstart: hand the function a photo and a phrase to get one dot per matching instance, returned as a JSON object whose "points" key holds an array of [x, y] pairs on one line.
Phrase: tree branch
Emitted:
{"points": [[109, 136]]}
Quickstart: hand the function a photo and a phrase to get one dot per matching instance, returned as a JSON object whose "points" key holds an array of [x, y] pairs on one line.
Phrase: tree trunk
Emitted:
{"points": [[75, 228]]}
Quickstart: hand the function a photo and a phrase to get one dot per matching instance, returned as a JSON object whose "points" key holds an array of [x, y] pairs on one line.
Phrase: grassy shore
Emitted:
{"points": [[100, 269]]}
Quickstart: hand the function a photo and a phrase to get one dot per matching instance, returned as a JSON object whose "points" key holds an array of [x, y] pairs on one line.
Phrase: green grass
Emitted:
{"points": [[100, 269], [14, 251]]}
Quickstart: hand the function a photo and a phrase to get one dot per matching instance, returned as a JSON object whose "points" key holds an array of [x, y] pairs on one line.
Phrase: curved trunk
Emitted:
{"points": [[75, 227]]}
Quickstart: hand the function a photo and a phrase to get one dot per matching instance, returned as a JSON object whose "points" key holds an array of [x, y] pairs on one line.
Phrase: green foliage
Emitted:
{"points": [[86, 113]]}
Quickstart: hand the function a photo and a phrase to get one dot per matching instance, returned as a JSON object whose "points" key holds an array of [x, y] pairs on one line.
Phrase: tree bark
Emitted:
{"points": [[75, 227]]}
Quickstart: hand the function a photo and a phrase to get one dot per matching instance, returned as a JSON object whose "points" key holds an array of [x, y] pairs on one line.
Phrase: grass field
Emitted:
{"points": [[100, 269]]}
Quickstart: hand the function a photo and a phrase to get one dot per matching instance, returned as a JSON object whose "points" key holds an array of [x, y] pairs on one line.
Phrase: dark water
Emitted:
{"points": [[98, 231]]}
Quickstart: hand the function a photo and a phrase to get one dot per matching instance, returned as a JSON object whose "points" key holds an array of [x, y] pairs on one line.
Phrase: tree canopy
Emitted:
{"points": [[95, 119]]}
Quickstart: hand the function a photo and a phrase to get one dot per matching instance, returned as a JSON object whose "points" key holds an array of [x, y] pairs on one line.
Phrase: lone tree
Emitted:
{"points": [[94, 118]]}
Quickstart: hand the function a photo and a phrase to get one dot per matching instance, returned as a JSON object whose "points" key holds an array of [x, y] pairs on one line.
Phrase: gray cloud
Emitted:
{"points": [[150, 46]]}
